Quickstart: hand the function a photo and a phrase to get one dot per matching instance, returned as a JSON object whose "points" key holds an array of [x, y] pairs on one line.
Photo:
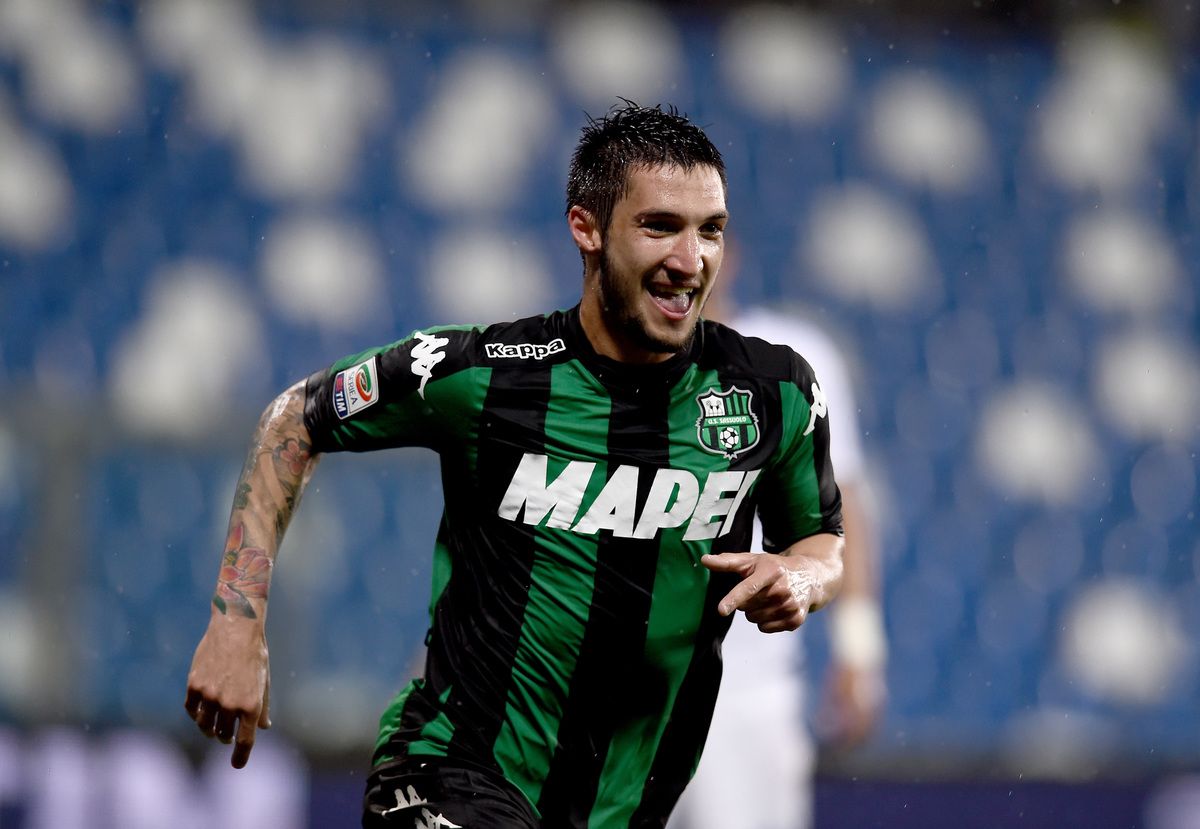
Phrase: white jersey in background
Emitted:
{"points": [[756, 772]]}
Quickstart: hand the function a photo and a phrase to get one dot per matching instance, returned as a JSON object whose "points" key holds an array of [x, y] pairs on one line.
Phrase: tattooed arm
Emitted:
{"points": [[229, 683]]}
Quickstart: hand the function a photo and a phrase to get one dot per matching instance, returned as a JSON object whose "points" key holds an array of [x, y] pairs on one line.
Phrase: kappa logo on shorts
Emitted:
{"points": [[408, 799], [524, 351], [355, 388], [727, 424], [431, 821]]}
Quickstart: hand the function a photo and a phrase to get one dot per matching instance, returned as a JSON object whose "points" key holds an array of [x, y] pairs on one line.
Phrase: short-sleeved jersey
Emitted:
{"points": [[574, 642]]}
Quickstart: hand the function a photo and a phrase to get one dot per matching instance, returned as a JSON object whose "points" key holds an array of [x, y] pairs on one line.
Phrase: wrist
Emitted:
{"points": [[856, 633], [248, 616]]}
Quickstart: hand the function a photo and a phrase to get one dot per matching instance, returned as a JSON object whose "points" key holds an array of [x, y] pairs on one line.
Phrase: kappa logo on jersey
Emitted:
{"points": [[820, 408], [426, 355], [727, 424], [675, 497], [355, 388], [524, 351]]}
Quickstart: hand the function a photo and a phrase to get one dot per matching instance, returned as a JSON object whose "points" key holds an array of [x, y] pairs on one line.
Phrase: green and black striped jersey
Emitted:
{"points": [[575, 642]]}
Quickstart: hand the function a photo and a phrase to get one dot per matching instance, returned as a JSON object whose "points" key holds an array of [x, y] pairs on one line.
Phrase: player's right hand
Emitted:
{"points": [[775, 593], [229, 684]]}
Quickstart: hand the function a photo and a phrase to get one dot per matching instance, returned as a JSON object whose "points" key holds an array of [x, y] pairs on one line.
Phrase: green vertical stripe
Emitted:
{"points": [[441, 571], [389, 721], [561, 584], [460, 421]]}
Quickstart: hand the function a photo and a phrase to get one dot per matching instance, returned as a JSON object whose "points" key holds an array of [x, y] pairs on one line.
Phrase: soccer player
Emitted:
{"points": [[601, 468]]}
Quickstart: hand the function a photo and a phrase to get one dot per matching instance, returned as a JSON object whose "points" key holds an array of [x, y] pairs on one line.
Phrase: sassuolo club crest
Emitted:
{"points": [[727, 424]]}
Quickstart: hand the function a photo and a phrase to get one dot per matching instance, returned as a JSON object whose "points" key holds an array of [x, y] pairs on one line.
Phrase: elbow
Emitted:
{"points": [[282, 432]]}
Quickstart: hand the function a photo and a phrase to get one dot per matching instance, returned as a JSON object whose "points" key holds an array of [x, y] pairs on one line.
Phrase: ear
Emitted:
{"points": [[584, 230]]}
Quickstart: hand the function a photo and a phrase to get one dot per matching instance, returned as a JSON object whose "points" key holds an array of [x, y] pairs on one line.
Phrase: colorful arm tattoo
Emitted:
{"points": [[266, 497], [245, 575]]}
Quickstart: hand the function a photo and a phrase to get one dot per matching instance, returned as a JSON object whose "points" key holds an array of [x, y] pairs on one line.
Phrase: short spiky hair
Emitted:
{"points": [[632, 136]]}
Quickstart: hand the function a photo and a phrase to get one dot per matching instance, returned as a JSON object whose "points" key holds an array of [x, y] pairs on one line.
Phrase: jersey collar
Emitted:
{"points": [[617, 374]]}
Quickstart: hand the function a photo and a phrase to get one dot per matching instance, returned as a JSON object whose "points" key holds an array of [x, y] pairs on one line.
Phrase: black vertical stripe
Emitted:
{"points": [[831, 497], [421, 705], [610, 686], [479, 616], [679, 748]]}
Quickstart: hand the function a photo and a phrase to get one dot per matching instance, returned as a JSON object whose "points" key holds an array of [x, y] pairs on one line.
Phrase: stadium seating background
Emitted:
{"points": [[201, 203]]}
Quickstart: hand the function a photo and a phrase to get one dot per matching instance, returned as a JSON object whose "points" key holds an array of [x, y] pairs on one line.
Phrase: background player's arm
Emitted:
{"points": [[229, 682], [777, 592], [855, 687]]}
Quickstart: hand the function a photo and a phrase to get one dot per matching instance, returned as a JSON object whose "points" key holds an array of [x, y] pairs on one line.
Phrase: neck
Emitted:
{"points": [[608, 340]]}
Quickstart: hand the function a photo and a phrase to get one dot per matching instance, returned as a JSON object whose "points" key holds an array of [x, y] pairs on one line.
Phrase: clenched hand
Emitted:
{"points": [[229, 685]]}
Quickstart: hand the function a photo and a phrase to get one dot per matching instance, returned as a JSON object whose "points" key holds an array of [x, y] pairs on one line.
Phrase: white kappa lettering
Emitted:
{"points": [[524, 351]]}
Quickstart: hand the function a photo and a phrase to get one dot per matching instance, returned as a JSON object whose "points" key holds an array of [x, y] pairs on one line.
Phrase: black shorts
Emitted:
{"points": [[420, 792]]}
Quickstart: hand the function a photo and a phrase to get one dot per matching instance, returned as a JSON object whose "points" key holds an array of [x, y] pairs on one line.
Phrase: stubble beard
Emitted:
{"points": [[620, 309]]}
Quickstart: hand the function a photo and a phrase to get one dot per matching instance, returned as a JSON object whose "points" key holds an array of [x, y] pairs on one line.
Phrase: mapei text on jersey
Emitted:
{"points": [[675, 497]]}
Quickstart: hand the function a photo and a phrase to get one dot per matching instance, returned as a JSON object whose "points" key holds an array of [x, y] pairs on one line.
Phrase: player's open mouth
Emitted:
{"points": [[674, 302]]}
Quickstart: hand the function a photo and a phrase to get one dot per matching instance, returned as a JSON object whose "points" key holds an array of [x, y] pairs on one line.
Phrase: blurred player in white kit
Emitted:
{"points": [[758, 762]]}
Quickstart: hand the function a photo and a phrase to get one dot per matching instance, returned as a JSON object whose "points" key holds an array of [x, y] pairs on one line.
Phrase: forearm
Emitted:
{"points": [[861, 572], [857, 636], [277, 468], [817, 559]]}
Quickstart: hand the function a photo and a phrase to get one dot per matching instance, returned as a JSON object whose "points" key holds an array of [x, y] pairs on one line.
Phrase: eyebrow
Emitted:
{"points": [[671, 214]]}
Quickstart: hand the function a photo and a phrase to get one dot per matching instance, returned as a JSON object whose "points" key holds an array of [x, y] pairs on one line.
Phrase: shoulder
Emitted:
{"points": [[459, 347], [729, 350]]}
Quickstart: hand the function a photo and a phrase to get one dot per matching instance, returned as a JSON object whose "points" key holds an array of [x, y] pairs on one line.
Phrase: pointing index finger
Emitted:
{"points": [[740, 594], [740, 564]]}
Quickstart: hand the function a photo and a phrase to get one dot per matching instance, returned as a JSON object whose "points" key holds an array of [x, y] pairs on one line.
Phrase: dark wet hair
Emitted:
{"points": [[632, 136]]}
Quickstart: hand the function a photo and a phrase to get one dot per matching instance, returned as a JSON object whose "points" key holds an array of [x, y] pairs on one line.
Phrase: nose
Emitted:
{"points": [[687, 255]]}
